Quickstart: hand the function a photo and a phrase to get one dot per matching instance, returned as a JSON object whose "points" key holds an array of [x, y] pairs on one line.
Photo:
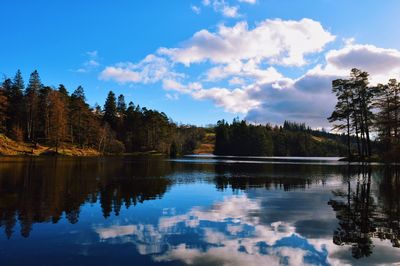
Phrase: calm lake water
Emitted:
{"points": [[197, 211]]}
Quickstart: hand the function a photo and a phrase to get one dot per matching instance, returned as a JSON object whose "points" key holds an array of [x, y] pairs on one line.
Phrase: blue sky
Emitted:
{"points": [[183, 57]]}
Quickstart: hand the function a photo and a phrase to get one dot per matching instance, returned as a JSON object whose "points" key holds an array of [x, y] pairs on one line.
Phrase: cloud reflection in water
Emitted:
{"points": [[227, 233]]}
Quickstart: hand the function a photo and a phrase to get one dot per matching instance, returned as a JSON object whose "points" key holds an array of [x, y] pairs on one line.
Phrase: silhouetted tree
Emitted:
{"points": [[32, 104], [343, 108], [110, 110], [58, 118]]}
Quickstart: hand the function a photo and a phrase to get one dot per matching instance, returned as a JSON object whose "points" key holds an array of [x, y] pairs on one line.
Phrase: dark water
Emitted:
{"points": [[198, 211]]}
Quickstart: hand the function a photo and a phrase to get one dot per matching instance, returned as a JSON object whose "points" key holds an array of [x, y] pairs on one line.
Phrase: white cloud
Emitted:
{"points": [[91, 63], [275, 41], [239, 69], [195, 9], [238, 53], [93, 54], [382, 64], [150, 70], [367, 57], [237, 81], [248, 1], [230, 11], [223, 7], [206, 2], [172, 96], [309, 98], [171, 84], [249, 69], [234, 101]]}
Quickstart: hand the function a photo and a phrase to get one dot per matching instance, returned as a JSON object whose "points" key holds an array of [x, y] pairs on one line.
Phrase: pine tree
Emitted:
{"points": [[342, 114], [16, 109], [363, 108], [387, 119], [354, 110], [63, 90], [121, 105], [78, 111], [110, 110], [31, 104]]}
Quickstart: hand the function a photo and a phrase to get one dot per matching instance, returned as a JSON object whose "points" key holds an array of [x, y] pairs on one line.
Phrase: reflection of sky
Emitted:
{"points": [[197, 224], [257, 227], [229, 232]]}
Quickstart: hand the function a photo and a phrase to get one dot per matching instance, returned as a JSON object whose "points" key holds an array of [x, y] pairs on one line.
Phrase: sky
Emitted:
{"points": [[200, 61]]}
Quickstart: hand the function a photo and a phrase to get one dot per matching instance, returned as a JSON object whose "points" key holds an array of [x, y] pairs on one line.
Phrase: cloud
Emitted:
{"points": [[93, 54], [250, 70], [195, 9], [150, 70], [223, 7], [234, 101], [248, 1], [245, 56], [171, 84], [366, 57], [381, 63], [237, 81], [276, 41], [91, 63], [172, 96], [230, 232], [231, 11], [116, 231], [309, 98]]}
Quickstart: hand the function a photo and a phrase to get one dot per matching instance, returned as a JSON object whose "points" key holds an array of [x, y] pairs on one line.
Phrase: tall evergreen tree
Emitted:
{"points": [[387, 119], [342, 114], [31, 104], [61, 89], [110, 110], [58, 118], [363, 108], [78, 111], [16, 98], [354, 109], [121, 105]]}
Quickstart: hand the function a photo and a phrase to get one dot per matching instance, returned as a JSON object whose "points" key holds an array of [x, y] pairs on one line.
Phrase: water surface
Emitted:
{"points": [[197, 211]]}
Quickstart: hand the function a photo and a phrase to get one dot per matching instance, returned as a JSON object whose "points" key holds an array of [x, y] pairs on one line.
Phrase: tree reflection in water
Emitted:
{"points": [[36, 191], [363, 216], [49, 190]]}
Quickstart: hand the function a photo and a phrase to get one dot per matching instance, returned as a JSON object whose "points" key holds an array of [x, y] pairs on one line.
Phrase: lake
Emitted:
{"points": [[197, 211]]}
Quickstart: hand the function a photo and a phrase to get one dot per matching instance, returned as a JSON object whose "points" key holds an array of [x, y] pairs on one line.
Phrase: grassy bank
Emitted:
{"points": [[9, 147], [207, 144]]}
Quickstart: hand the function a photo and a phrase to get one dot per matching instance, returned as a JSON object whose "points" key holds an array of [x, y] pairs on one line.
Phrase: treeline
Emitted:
{"points": [[367, 112], [42, 114], [292, 139]]}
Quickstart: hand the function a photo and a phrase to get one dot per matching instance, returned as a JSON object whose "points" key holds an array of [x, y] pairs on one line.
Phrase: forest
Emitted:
{"points": [[292, 139], [370, 115], [37, 113], [365, 125]]}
